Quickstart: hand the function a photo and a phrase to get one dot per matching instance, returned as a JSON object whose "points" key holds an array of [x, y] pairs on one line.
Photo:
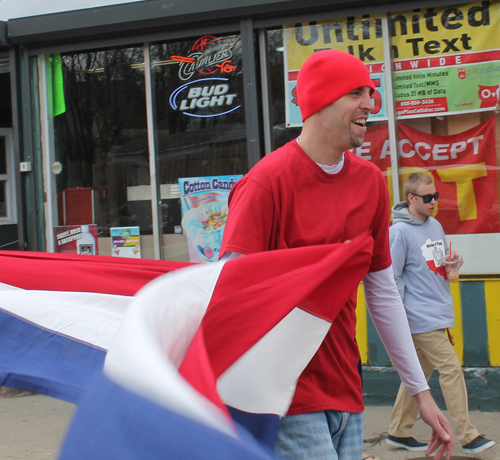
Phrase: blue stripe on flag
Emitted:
{"points": [[264, 427], [112, 422], [40, 360]]}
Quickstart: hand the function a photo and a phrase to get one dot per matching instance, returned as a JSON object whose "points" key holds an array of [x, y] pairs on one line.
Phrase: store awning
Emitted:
{"points": [[154, 16]]}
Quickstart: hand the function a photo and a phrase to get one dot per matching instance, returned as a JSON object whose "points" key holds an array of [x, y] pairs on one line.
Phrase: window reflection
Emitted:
{"points": [[280, 134], [201, 129], [199, 121], [101, 141], [445, 100], [460, 152]]}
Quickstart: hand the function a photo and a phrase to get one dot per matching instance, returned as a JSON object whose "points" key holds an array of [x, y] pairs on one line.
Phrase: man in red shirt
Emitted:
{"points": [[309, 192]]}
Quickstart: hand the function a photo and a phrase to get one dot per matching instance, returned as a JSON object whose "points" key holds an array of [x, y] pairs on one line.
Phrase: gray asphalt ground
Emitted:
{"points": [[32, 427]]}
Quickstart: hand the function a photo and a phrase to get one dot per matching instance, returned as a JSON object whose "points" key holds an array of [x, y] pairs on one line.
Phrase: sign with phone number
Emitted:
{"points": [[453, 89]]}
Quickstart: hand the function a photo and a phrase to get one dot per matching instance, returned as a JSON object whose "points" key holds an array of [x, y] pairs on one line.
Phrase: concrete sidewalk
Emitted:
{"points": [[377, 422], [32, 428]]}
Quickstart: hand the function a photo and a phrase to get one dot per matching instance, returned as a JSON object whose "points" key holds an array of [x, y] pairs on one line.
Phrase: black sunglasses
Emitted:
{"points": [[428, 198]]}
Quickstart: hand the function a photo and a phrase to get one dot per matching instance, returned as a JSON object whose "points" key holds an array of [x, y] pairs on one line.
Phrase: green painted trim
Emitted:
{"points": [[381, 384], [474, 324]]}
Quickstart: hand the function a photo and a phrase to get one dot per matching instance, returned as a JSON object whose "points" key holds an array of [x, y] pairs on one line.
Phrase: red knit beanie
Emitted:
{"points": [[327, 76]]}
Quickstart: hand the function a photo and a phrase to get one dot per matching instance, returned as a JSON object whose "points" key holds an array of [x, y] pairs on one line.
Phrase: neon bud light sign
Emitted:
{"points": [[209, 97]]}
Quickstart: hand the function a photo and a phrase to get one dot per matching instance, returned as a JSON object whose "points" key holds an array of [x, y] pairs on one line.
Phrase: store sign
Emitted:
{"points": [[463, 166], [205, 72], [209, 55], [210, 97], [445, 59]]}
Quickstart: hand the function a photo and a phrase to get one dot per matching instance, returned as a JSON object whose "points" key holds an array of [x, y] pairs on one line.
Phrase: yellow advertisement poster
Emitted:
{"points": [[358, 35], [445, 31], [445, 59]]}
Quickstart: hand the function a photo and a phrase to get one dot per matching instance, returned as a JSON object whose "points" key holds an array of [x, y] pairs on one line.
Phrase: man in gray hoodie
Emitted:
{"points": [[418, 247]]}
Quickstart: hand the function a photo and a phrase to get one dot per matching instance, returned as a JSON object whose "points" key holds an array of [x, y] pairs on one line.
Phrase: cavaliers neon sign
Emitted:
{"points": [[208, 56]]}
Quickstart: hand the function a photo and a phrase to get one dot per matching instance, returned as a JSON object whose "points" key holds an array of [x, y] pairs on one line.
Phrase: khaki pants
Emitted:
{"points": [[434, 350]]}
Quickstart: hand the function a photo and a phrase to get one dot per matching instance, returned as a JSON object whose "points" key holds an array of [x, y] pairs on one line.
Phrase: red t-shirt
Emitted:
{"points": [[288, 201]]}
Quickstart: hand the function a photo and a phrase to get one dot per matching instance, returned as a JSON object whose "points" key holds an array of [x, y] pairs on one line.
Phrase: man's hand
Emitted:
{"points": [[442, 437], [459, 256]]}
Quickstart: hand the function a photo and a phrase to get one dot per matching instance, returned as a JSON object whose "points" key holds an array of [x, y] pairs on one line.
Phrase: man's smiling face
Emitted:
{"points": [[346, 117]]}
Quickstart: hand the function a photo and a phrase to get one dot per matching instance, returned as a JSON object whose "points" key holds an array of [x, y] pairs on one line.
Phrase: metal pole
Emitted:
{"points": [[152, 154], [47, 138], [250, 92], [266, 115], [391, 112]]}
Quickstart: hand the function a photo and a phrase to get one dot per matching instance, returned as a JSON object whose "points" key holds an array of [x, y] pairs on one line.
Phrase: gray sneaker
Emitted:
{"points": [[478, 445], [408, 443]]}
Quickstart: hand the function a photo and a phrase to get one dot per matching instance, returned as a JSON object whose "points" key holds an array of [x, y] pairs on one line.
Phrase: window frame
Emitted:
{"points": [[11, 211]]}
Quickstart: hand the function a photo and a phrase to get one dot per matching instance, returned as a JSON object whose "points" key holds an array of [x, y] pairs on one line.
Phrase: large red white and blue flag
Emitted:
{"points": [[170, 359]]}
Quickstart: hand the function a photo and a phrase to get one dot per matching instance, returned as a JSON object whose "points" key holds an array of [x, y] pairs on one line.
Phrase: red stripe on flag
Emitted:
{"points": [[80, 273], [247, 303]]}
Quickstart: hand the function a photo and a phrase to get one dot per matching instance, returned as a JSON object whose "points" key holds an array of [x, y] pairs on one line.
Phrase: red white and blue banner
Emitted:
{"points": [[199, 363]]}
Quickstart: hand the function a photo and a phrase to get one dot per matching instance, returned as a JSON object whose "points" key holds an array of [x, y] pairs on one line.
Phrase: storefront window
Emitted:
{"points": [[280, 132], [100, 138], [446, 75], [200, 136], [101, 148]]}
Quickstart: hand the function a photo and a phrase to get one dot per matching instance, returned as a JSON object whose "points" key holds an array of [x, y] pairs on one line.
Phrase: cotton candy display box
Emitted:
{"points": [[204, 227]]}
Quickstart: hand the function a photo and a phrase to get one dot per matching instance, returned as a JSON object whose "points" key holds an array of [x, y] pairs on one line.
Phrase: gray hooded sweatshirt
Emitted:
{"points": [[418, 249]]}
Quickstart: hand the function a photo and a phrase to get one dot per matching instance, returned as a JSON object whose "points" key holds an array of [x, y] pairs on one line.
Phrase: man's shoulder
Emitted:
{"points": [[364, 168], [274, 162]]}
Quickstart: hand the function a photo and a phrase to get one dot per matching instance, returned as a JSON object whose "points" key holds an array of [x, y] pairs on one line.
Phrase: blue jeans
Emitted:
{"points": [[323, 435]]}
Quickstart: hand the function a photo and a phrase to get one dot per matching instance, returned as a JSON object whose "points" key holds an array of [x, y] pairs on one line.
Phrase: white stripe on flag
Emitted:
{"points": [[89, 317], [263, 379], [154, 337], [8, 287]]}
